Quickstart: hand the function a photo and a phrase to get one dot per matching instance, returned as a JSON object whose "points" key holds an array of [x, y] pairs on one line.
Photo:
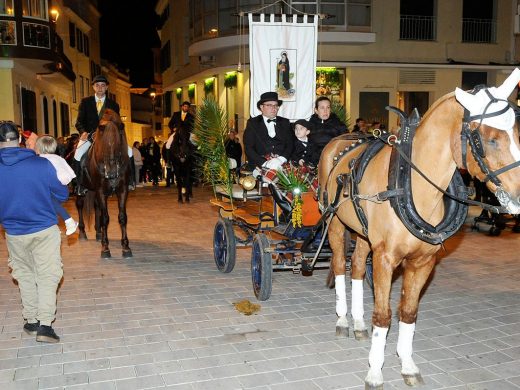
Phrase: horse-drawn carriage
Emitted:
{"points": [[259, 214]]}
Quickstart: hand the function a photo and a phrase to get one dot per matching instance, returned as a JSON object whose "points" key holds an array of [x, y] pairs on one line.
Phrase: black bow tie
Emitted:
{"points": [[271, 120]]}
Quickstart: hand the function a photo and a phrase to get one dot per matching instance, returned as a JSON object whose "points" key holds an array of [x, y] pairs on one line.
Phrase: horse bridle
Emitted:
{"points": [[116, 159], [474, 139]]}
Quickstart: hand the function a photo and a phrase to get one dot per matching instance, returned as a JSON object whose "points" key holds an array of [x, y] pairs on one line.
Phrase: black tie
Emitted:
{"points": [[271, 120]]}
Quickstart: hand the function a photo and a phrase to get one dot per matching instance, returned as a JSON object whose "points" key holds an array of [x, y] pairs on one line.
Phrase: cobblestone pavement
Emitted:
{"points": [[165, 318]]}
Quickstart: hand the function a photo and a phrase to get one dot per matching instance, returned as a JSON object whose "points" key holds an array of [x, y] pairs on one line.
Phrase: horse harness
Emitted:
{"points": [[399, 190], [477, 148]]}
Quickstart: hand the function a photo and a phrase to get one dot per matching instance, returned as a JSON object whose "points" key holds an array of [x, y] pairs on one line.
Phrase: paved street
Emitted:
{"points": [[165, 318]]}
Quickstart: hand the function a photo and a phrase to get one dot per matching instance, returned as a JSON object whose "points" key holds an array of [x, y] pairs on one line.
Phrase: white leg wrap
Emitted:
{"points": [[130, 152], [376, 357], [341, 296], [357, 299], [81, 149], [404, 348]]}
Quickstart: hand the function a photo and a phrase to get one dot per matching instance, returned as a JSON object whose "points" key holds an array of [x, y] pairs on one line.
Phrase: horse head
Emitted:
{"points": [[491, 130], [110, 149]]}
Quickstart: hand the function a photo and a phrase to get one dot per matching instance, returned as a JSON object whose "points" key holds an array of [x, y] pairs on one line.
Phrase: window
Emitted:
{"points": [[74, 97], [418, 20], [79, 40], [54, 118], [472, 79], [6, 7], [36, 35], [7, 32], [167, 104], [29, 110], [65, 122], [86, 45], [165, 57], [479, 21], [72, 34], [35, 9], [81, 87], [45, 115]]}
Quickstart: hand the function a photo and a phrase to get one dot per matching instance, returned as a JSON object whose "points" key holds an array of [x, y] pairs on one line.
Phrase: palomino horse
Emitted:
{"points": [[476, 130], [182, 159], [107, 172]]}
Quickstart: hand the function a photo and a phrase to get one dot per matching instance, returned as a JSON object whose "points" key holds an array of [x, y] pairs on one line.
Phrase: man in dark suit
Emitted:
{"points": [[183, 116], [268, 138], [90, 111]]}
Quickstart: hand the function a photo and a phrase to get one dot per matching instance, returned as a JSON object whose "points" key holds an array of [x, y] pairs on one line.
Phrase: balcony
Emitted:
{"points": [[38, 47], [418, 28], [479, 30], [213, 45]]}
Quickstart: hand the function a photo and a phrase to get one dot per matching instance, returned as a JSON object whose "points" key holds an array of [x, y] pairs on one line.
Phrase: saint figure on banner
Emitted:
{"points": [[283, 69]]}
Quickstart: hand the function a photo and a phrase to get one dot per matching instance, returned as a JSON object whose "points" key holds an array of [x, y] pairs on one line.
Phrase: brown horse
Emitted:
{"points": [[475, 130], [107, 172]]}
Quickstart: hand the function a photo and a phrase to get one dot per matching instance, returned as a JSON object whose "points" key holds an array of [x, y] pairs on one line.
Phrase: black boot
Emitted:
{"points": [[131, 182], [76, 167]]}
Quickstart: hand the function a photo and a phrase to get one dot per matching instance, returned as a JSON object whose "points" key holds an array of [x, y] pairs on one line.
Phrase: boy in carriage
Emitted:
{"points": [[304, 153]]}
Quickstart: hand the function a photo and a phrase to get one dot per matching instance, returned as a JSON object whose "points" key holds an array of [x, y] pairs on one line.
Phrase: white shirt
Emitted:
{"points": [[271, 129]]}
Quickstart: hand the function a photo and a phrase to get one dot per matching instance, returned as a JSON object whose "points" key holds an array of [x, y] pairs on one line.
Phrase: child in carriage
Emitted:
{"points": [[304, 152]]}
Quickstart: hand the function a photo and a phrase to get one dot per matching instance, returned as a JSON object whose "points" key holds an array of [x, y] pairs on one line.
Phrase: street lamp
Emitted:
{"points": [[55, 14]]}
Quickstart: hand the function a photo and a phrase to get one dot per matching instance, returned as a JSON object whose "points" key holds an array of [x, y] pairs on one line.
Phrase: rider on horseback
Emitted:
{"points": [[90, 111]]}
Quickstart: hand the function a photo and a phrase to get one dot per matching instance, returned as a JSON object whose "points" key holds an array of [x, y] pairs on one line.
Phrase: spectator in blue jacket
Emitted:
{"points": [[29, 184]]}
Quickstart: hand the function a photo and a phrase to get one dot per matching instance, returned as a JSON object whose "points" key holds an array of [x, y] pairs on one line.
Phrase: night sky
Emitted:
{"points": [[127, 34]]}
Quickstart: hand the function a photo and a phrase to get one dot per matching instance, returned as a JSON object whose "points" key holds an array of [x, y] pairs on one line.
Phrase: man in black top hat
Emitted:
{"points": [[90, 111], [268, 138], [91, 108]]}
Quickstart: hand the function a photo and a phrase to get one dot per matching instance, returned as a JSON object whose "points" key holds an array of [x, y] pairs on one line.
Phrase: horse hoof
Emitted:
{"points": [[516, 229], [413, 380], [82, 236], [127, 254], [106, 255], [361, 335], [341, 331], [98, 236], [179, 200]]}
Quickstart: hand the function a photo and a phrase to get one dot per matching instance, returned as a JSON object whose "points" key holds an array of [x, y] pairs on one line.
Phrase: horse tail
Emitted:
{"points": [[89, 206], [331, 281]]}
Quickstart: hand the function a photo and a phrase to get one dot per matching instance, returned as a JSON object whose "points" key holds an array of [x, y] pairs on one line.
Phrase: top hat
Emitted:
{"points": [[100, 79], [268, 97]]}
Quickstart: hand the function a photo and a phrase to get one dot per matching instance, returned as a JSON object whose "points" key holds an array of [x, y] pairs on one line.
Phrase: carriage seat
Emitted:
{"points": [[237, 192]]}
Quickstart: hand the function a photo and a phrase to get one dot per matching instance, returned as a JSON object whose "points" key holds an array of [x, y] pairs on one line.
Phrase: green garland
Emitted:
{"points": [[230, 81]]}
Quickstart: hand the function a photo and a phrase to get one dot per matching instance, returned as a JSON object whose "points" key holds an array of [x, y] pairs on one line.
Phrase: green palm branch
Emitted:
{"points": [[211, 131], [341, 113]]}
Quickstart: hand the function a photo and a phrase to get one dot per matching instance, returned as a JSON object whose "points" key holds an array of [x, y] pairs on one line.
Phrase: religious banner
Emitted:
{"points": [[282, 58]]}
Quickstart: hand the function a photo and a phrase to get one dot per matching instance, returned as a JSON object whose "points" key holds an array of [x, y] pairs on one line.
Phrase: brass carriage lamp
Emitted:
{"points": [[55, 14]]}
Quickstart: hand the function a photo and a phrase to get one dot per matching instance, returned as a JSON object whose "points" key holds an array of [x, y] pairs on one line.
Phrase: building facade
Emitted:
{"points": [[371, 53], [51, 52]]}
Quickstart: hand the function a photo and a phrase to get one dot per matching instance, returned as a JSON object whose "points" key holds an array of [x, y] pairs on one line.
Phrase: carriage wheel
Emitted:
{"points": [[224, 245], [261, 267]]}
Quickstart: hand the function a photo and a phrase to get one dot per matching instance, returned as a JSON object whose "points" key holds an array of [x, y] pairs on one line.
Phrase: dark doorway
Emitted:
{"points": [[29, 110], [45, 115]]}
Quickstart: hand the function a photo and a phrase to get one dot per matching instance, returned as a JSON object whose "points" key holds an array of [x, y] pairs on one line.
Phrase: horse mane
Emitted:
{"points": [[437, 103]]}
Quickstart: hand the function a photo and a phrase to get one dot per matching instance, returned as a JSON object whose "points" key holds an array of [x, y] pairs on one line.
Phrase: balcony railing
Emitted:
{"points": [[479, 30], [418, 28]]}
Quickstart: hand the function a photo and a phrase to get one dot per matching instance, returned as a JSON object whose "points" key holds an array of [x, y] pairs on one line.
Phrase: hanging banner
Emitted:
{"points": [[282, 58]]}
